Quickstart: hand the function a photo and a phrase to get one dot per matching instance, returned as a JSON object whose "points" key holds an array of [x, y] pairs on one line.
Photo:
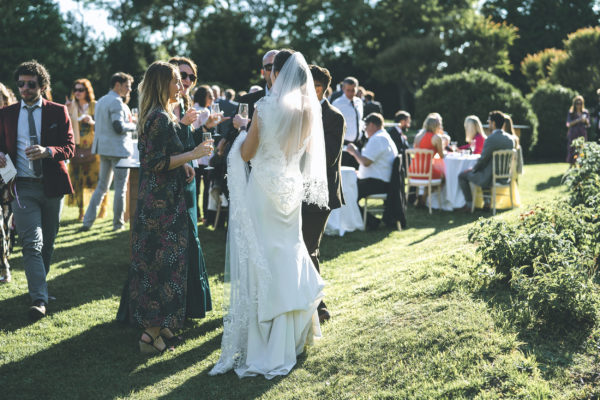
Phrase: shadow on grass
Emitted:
{"points": [[102, 362], [554, 345], [553, 181]]}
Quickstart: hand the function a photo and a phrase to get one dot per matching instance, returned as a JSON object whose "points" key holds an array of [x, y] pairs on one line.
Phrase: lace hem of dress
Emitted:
{"points": [[316, 192]]}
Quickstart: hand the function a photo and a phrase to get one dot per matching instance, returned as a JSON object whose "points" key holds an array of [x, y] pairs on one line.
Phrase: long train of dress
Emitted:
{"points": [[274, 287]]}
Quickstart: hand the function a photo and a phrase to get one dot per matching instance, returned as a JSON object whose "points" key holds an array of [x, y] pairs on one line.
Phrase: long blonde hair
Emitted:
{"points": [[473, 127], [7, 97], [574, 107], [153, 91], [433, 123]]}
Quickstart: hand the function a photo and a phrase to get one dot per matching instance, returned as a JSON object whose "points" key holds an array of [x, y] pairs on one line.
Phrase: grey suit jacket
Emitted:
{"points": [[482, 173], [107, 142]]}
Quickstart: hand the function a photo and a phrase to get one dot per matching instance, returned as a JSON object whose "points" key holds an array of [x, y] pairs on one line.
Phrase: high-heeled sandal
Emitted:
{"points": [[150, 347], [170, 338]]}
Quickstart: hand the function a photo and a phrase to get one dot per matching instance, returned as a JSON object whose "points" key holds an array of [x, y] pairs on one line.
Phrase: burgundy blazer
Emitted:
{"points": [[57, 135]]}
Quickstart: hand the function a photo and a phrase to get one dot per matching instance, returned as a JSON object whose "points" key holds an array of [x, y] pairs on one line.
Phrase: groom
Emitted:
{"points": [[314, 218]]}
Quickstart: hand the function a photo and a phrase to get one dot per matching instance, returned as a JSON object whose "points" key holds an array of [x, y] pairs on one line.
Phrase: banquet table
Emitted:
{"points": [[452, 196], [347, 218]]}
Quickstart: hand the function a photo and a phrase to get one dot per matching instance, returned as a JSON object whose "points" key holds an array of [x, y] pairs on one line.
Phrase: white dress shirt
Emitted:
{"points": [[380, 149], [344, 104], [24, 169]]}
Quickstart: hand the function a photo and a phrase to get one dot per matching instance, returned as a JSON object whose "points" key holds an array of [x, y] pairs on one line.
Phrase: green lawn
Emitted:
{"points": [[408, 322]]}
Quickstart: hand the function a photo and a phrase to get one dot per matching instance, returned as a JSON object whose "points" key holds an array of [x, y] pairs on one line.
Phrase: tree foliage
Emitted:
{"points": [[536, 67], [550, 104], [475, 92], [580, 69], [542, 24]]}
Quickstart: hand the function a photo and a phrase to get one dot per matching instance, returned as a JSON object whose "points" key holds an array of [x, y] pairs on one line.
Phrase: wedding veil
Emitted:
{"points": [[290, 118]]}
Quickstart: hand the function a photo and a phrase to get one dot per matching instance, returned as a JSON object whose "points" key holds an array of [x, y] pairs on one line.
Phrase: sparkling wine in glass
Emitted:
{"points": [[244, 110], [207, 136]]}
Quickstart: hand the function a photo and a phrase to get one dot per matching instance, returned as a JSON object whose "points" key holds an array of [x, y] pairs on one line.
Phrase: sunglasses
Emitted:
{"points": [[80, 89], [30, 84], [185, 75], [268, 67]]}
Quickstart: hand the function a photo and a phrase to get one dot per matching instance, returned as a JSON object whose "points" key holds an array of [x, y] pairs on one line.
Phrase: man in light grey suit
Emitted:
{"points": [[481, 173], [112, 141]]}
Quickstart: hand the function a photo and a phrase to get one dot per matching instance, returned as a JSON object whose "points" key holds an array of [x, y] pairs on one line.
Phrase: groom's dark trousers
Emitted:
{"points": [[314, 218]]}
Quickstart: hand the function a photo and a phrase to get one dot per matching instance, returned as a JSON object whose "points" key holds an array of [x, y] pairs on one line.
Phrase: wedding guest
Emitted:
{"points": [[351, 107], [375, 160], [7, 235], [240, 94], [578, 120], [112, 141], [165, 246], [481, 173], [38, 136], [203, 99], [84, 166], [509, 128], [254, 89], [314, 218], [398, 131], [7, 97], [371, 106], [474, 135], [216, 93], [431, 139]]}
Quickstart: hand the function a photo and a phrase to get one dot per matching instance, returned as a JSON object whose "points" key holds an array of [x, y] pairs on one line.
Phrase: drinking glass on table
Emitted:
{"points": [[454, 146], [207, 136]]}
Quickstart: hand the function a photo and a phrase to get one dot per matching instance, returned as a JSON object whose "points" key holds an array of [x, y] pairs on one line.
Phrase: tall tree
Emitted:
{"points": [[542, 24]]}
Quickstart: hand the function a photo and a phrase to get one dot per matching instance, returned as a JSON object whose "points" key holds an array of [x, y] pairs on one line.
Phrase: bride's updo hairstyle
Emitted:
{"points": [[154, 91], [280, 60]]}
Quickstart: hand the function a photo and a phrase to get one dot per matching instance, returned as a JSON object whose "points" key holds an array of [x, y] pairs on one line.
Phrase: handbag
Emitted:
{"points": [[83, 156]]}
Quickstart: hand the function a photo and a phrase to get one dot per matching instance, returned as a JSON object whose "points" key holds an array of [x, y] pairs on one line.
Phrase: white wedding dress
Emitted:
{"points": [[273, 289]]}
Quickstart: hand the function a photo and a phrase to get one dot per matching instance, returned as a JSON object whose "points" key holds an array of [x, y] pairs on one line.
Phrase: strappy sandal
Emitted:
{"points": [[150, 347], [172, 340]]}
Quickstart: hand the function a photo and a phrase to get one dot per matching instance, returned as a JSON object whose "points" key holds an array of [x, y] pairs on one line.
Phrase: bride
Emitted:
{"points": [[272, 287]]}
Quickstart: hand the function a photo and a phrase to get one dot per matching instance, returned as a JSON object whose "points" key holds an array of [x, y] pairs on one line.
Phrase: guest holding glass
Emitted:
{"points": [[431, 139], [165, 245], [578, 120], [474, 135], [203, 99], [85, 166]]}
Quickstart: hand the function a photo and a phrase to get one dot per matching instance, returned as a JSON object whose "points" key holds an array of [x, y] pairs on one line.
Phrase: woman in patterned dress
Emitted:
{"points": [[163, 234], [84, 167], [7, 233]]}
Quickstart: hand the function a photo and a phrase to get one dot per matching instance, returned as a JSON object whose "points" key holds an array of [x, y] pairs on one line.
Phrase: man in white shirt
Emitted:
{"points": [[375, 160], [351, 107]]}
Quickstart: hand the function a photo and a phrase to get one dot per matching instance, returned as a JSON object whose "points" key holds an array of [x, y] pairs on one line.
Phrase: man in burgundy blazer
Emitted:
{"points": [[38, 136]]}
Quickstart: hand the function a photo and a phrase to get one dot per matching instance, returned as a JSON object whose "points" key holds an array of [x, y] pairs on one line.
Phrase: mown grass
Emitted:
{"points": [[409, 321]]}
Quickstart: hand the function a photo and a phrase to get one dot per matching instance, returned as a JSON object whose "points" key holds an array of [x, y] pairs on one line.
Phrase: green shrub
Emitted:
{"points": [[475, 92], [549, 259], [550, 104], [583, 179]]}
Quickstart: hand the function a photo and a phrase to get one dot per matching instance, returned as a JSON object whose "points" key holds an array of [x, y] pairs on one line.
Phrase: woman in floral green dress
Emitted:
{"points": [[164, 240]]}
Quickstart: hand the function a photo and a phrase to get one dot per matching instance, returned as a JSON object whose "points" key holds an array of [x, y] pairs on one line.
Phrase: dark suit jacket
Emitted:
{"points": [[56, 134], [229, 109], [334, 128], [482, 173], [371, 107], [250, 99]]}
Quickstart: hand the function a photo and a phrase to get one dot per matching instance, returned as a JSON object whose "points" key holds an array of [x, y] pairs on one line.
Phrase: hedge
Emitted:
{"points": [[551, 104], [475, 92]]}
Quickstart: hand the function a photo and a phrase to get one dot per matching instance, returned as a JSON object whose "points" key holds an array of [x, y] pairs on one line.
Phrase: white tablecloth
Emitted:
{"points": [[346, 218], [452, 196]]}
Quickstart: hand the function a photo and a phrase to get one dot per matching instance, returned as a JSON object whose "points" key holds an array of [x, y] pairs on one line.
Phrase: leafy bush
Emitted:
{"points": [[549, 258], [475, 92], [583, 179], [536, 67], [550, 104]]}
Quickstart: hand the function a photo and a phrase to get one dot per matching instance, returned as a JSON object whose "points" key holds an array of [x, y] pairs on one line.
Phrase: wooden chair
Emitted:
{"points": [[503, 172], [379, 196], [422, 169]]}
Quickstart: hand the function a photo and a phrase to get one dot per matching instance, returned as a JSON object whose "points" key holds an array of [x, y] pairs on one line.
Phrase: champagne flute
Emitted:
{"points": [[207, 136], [216, 110], [244, 110]]}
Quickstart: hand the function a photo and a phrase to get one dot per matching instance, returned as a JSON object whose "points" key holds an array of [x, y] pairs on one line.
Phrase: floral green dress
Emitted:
{"points": [[165, 245]]}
